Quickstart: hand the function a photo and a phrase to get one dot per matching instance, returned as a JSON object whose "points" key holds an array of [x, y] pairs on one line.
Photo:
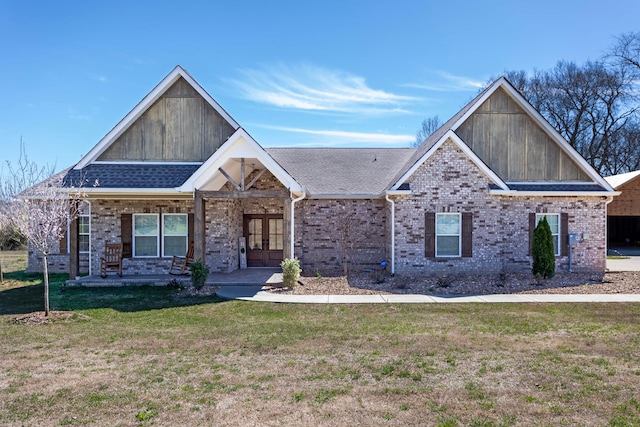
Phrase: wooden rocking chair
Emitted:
{"points": [[112, 259], [180, 264]]}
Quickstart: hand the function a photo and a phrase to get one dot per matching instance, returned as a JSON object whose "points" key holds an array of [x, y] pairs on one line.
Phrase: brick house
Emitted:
{"points": [[623, 214], [179, 169]]}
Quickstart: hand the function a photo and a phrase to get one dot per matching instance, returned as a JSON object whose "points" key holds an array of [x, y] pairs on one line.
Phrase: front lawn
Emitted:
{"points": [[144, 356]]}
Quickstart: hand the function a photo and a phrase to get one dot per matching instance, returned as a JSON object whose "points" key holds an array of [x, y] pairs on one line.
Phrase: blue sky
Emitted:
{"points": [[292, 73]]}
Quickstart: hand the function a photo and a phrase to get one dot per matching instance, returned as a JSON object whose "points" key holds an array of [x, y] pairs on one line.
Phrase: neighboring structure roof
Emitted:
{"points": [[342, 171], [138, 175], [616, 181]]}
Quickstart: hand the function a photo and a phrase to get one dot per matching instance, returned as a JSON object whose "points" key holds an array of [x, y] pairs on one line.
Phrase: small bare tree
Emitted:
{"points": [[14, 180], [40, 212], [350, 233]]}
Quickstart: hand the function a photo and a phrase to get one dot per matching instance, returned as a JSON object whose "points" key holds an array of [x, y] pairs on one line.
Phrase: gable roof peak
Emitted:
{"points": [[160, 89]]}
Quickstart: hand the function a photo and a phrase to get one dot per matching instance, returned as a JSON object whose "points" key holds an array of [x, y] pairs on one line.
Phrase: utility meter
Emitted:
{"points": [[574, 239]]}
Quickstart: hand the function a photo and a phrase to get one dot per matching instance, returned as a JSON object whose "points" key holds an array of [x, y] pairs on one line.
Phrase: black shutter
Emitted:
{"points": [[429, 234], [564, 234], [126, 234], [467, 234], [532, 226]]}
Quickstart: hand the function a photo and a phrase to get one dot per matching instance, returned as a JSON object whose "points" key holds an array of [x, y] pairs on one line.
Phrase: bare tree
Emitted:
{"points": [[351, 233], [16, 179], [40, 212], [626, 52], [429, 125]]}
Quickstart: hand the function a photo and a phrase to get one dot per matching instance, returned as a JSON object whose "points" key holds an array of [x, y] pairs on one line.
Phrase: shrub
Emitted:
{"points": [[542, 251], [290, 272], [199, 273]]}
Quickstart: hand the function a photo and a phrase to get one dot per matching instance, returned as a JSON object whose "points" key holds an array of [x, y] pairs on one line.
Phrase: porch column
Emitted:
{"points": [[74, 250], [199, 227], [286, 229]]}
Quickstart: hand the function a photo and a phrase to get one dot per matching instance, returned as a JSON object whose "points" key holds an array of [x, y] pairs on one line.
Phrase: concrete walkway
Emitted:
{"points": [[255, 293], [632, 263]]}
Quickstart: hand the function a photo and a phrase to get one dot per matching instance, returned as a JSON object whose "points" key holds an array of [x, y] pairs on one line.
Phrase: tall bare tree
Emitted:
{"points": [[592, 106], [626, 52], [429, 125]]}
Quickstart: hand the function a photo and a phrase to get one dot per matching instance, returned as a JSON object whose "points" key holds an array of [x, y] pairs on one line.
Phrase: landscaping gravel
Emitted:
{"points": [[508, 283]]}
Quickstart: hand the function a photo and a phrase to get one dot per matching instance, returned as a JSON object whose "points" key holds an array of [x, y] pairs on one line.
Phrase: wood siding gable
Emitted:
{"points": [[181, 126], [514, 146]]}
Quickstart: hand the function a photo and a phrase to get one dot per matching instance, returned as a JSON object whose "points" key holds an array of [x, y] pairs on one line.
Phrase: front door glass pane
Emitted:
{"points": [[276, 234], [255, 234]]}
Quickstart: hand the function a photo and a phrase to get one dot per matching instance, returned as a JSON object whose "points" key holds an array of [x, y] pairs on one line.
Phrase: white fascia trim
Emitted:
{"points": [[398, 192], [143, 106], [465, 148], [219, 157], [564, 145], [553, 193], [550, 183]]}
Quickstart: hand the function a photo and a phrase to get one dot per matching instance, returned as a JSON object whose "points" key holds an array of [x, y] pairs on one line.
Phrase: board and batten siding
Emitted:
{"points": [[180, 127], [503, 135]]}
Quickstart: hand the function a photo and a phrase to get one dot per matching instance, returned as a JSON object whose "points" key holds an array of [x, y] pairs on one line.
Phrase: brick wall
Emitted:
{"points": [[450, 182], [106, 228], [324, 228]]}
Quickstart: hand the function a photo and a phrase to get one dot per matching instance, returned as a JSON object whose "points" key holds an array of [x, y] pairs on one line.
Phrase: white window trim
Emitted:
{"points": [[133, 237], [459, 235], [559, 233], [174, 235], [87, 234]]}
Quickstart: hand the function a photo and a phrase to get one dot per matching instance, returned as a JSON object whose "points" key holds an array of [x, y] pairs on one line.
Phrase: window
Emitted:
{"points": [[146, 235], [84, 233], [554, 224], [174, 234], [448, 233]]}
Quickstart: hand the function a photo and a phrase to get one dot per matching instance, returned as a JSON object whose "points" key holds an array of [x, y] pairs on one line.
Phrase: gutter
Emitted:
{"points": [[293, 223]]}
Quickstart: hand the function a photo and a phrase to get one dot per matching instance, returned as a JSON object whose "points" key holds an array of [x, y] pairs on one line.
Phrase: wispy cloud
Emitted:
{"points": [[342, 138], [101, 79], [443, 81], [312, 88]]}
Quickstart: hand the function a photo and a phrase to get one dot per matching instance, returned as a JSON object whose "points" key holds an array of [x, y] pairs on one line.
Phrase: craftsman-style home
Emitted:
{"points": [[178, 170]]}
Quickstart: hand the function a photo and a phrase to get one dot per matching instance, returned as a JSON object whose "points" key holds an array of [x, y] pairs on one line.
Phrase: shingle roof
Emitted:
{"points": [[342, 171], [130, 175], [435, 137]]}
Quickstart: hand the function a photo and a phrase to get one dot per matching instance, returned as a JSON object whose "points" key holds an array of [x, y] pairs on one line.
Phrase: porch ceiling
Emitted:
{"points": [[233, 167]]}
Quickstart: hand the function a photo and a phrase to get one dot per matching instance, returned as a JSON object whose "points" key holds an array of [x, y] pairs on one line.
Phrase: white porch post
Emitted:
{"points": [[293, 223]]}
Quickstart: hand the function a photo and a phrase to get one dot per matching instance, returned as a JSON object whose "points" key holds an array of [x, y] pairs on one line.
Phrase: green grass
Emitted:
{"points": [[146, 356]]}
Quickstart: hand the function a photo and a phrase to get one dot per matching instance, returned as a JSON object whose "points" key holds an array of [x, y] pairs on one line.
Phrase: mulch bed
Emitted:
{"points": [[39, 318]]}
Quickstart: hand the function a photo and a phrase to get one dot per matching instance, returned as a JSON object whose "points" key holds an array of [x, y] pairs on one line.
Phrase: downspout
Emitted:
{"points": [[393, 234], [608, 200], [90, 236], [292, 225]]}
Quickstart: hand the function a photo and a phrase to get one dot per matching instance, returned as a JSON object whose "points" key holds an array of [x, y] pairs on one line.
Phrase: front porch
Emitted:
{"points": [[248, 276]]}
